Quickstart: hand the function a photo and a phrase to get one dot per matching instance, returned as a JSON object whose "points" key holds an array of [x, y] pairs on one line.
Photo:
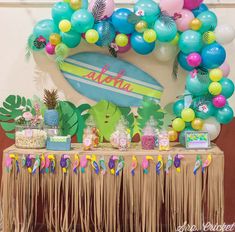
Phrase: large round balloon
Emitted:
{"points": [[60, 11], [150, 10], [203, 107], [82, 20], [213, 127], [213, 56], [197, 86], [190, 41], [72, 39], [227, 87], [171, 7], [166, 31], [183, 22], [178, 124], [209, 21], [120, 21], [165, 52], [106, 33], [182, 59], [45, 28], [139, 45], [203, 7], [106, 11], [224, 115], [225, 34], [178, 107], [192, 4]]}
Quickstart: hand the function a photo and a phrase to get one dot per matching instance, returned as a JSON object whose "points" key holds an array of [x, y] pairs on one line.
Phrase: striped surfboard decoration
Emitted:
{"points": [[102, 77]]}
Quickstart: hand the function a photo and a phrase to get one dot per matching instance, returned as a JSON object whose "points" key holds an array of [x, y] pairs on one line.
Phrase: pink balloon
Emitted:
{"points": [[194, 59], [108, 9], [50, 49], [192, 4], [124, 49], [219, 101], [225, 67], [183, 22], [171, 6]]}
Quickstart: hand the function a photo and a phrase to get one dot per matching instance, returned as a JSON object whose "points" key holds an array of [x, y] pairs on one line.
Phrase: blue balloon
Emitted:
{"points": [[120, 21], [224, 115], [139, 45], [165, 32], [106, 33], [45, 28], [197, 86], [190, 41], [150, 8], [227, 87], [72, 39], [213, 56], [178, 107], [182, 59], [203, 7], [82, 20], [60, 11], [209, 21]]}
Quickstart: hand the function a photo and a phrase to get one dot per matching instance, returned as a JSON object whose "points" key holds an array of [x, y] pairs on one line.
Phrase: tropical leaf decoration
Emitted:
{"points": [[168, 115], [150, 108], [82, 116], [133, 18], [175, 70], [129, 116], [166, 19], [68, 118], [98, 9], [112, 51], [105, 38], [13, 107], [203, 75], [106, 116]]}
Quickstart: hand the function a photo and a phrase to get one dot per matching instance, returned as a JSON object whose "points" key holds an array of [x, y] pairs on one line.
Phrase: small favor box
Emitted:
{"points": [[164, 142], [59, 143]]}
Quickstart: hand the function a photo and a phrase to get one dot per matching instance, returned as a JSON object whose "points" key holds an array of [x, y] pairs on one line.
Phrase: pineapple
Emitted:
{"points": [[51, 116]]}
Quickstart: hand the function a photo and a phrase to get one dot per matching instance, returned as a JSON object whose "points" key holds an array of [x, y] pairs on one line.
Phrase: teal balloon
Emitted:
{"points": [[166, 31], [203, 7], [182, 59], [224, 115], [183, 134], [190, 41], [203, 107], [45, 28], [82, 20], [178, 107], [227, 87], [84, 4], [72, 39], [209, 21], [197, 86], [151, 10], [60, 11]]}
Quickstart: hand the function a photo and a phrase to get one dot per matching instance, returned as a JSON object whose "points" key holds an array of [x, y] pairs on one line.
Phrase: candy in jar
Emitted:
{"points": [[87, 139], [164, 142], [148, 137]]}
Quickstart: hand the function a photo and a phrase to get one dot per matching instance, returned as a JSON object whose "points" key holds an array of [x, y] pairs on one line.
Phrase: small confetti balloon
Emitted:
{"points": [[55, 39], [173, 135], [197, 124]]}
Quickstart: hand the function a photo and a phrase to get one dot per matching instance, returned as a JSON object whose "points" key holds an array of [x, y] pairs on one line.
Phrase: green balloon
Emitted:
{"points": [[227, 87], [60, 11], [72, 39], [178, 107], [209, 21], [224, 115]]}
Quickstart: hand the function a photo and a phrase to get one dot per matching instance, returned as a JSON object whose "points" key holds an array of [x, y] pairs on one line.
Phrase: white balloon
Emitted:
{"points": [[213, 127], [225, 34], [165, 52]]}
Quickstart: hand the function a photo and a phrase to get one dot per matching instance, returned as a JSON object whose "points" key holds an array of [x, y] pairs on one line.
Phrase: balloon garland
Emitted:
{"points": [[184, 25]]}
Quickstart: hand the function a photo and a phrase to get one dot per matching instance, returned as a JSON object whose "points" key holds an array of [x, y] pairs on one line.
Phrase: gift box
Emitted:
{"points": [[59, 143]]}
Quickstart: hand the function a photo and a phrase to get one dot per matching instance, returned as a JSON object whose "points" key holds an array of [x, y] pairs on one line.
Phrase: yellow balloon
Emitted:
{"points": [[75, 4], [216, 74], [173, 135], [209, 37], [195, 24], [65, 25], [150, 36], [55, 39], [121, 40], [175, 41], [215, 88], [178, 124], [197, 124], [141, 26], [92, 36], [188, 115]]}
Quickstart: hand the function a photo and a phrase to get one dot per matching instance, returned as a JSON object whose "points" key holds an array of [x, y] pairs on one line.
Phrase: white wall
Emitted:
{"points": [[29, 78]]}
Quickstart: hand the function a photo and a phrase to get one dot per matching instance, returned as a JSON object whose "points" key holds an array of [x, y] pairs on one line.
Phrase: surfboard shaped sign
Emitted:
{"points": [[102, 77]]}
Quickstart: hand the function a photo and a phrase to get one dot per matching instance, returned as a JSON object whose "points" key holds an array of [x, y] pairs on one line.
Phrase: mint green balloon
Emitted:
{"points": [[72, 39], [178, 107], [224, 115], [60, 11], [227, 87], [209, 21], [166, 31], [190, 41]]}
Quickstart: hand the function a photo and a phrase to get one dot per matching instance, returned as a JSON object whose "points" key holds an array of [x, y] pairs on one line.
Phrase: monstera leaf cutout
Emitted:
{"points": [[129, 116], [68, 118], [169, 115], [150, 108], [106, 116], [82, 116], [13, 107]]}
